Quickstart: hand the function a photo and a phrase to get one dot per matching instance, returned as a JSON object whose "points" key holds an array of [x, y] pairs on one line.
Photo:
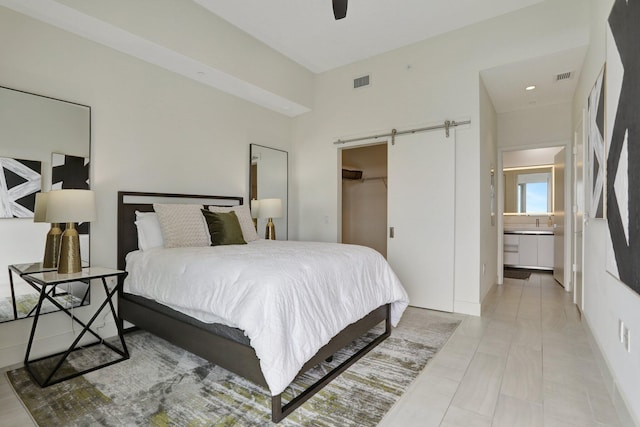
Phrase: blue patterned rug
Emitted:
{"points": [[164, 385]]}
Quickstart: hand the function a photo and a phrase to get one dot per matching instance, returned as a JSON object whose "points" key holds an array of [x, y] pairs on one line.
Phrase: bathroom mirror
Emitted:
{"points": [[45, 144], [268, 178], [528, 190]]}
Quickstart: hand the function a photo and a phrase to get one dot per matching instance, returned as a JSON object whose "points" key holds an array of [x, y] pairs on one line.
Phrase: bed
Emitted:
{"points": [[234, 339]]}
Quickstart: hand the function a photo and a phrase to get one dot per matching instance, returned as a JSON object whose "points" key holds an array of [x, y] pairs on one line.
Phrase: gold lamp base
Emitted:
{"points": [[70, 251], [270, 232], [52, 247]]}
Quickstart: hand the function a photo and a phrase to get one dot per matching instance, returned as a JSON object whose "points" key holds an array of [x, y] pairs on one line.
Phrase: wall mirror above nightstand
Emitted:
{"points": [[45, 144], [268, 178]]}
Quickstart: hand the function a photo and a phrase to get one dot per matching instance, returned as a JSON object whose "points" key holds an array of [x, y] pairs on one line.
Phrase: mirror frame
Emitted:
{"points": [[253, 189], [528, 170], [47, 184]]}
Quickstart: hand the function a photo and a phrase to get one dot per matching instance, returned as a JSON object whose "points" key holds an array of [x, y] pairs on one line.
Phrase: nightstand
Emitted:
{"points": [[21, 270], [71, 363]]}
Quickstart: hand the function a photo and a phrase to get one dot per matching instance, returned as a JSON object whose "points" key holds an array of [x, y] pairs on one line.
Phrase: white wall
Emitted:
{"points": [[152, 130], [424, 83], [531, 157], [606, 299], [537, 126]]}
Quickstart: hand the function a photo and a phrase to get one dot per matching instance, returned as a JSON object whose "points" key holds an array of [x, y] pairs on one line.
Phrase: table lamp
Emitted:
{"points": [[255, 210], [52, 246], [270, 208], [70, 207]]}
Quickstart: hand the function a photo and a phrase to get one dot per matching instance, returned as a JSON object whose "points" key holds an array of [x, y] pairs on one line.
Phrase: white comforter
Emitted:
{"points": [[290, 298]]}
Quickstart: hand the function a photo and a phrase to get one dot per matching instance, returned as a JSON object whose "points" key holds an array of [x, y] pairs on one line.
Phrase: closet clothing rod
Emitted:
{"points": [[446, 126]]}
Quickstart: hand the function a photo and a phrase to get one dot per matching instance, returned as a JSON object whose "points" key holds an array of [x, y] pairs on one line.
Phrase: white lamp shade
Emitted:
{"points": [[71, 206], [40, 210], [255, 208], [270, 208]]}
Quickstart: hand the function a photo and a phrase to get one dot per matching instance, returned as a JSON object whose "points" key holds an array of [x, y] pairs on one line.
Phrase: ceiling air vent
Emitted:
{"points": [[360, 82], [564, 76]]}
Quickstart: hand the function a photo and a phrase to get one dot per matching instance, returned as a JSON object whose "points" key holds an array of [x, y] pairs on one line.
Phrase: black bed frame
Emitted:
{"points": [[233, 356]]}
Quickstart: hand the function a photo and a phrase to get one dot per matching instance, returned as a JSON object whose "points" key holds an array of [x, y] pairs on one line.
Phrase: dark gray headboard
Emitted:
{"points": [[130, 201]]}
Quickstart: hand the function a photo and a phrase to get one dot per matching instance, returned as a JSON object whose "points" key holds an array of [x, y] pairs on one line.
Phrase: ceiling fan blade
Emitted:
{"points": [[339, 9]]}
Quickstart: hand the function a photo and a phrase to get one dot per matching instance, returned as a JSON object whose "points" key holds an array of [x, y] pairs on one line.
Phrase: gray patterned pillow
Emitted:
{"points": [[243, 213], [182, 225]]}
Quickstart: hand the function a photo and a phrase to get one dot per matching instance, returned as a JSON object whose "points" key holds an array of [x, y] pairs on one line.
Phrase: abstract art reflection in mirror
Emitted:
{"points": [[20, 180], [69, 172]]}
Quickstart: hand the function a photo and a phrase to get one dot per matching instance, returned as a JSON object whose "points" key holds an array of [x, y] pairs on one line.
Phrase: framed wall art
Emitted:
{"points": [[623, 144], [596, 134]]}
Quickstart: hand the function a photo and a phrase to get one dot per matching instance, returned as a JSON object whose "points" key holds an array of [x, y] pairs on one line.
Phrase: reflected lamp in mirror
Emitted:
{"points": [[255, 210], [270, 208], [70, 207], [52, 245]]}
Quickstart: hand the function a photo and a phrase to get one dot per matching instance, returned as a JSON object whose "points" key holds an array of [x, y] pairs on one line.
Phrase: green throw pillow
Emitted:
{"points": [[224, 228]]}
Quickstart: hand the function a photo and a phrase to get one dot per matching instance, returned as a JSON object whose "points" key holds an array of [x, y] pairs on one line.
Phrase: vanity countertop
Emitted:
{"points": [[526, 229]]}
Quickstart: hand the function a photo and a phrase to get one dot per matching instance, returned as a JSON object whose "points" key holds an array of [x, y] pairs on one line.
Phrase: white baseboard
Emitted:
{"points": [[465, 307], [617, 397]]}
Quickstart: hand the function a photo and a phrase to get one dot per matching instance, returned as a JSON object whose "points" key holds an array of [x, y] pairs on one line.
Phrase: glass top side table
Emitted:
{"points": [[21, 270], [55, 368]]}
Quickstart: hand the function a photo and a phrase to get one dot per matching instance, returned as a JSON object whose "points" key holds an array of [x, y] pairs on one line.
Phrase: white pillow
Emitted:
{"points": [[243, 213], [149, 231], [182, 225]]}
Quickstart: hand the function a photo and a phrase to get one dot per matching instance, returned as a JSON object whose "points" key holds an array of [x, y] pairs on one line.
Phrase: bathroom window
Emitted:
{"points": [[528, 190], [534, 195]]}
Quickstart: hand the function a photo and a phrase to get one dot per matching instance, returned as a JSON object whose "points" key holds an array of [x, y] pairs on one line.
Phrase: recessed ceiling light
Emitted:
{"points": [[532, 87]]}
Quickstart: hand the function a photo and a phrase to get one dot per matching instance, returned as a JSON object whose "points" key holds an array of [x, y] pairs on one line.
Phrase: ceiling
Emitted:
{"points": [[306, 32], [506, 84]]}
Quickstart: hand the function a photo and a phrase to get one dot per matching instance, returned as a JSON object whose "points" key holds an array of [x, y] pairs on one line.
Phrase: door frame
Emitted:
{"points": [[568, 191], [359, 144], [581, 128], [341, 165]]}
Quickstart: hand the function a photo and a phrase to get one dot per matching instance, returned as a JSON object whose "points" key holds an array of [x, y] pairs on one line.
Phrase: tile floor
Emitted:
{"points": [[526, 362]]}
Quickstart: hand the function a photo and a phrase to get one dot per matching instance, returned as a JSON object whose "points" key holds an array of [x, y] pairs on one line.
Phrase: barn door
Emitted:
{"points": [[421, 211]]}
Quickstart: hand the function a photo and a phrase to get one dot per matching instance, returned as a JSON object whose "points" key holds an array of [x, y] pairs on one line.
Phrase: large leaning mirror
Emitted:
{"points": [[45, 144], [268, 178]]}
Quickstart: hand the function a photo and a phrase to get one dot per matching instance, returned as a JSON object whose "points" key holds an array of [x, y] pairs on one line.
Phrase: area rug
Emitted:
{"points": [[26, 303], [165, 385], [512, 273]]}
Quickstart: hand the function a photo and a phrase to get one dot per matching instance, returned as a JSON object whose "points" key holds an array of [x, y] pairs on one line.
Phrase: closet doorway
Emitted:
{"points": [[364, 196]]}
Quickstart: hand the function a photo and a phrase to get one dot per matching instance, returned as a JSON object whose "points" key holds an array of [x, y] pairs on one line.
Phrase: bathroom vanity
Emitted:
{"points": [[528, 247]]}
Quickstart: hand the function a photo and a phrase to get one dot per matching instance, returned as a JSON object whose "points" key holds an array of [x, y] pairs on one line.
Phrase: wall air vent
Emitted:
{"points": [[360, 82], [564, 76]]}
